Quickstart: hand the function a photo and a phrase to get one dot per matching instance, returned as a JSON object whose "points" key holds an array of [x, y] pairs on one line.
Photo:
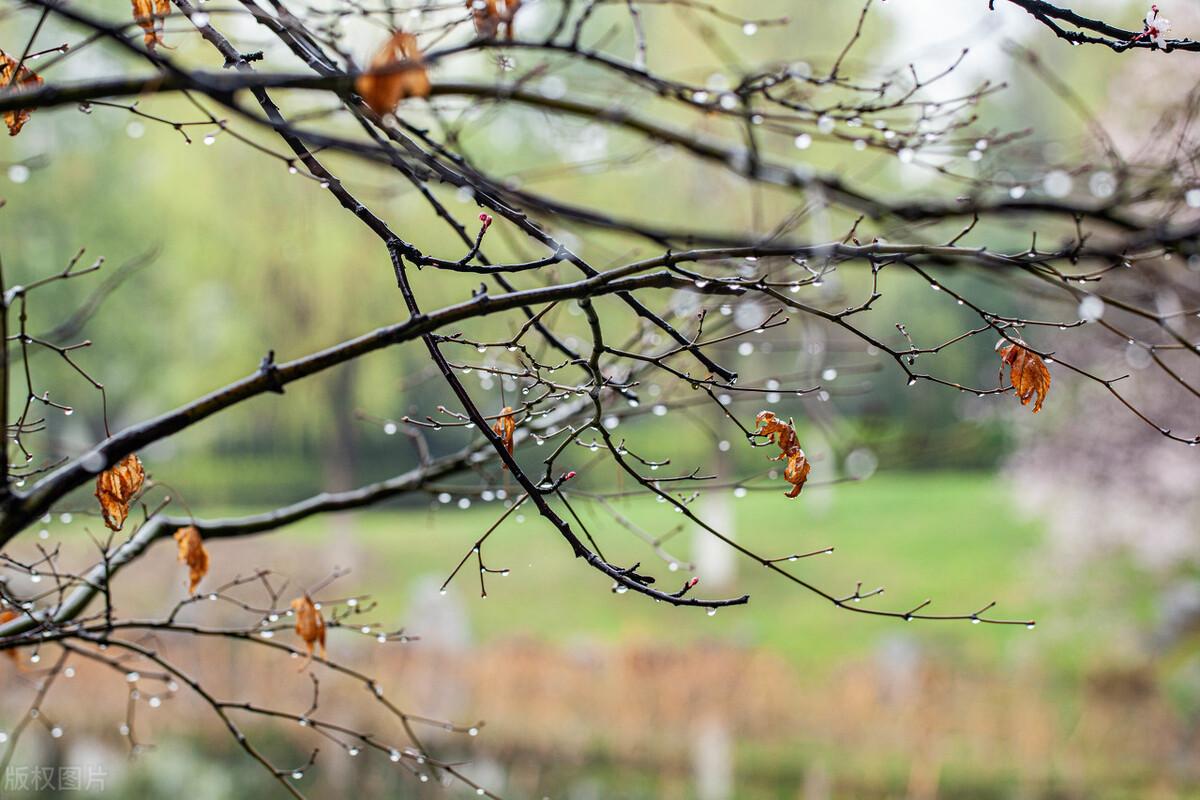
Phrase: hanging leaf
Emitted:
{"points": [[115, 489], [796, 471], [777, 432], [783, 435], [505, 427], [192, 553], [310, 626], [8, 615], [149, 15], [1027, 373], [397, 71], [25, 79], [490, 16]]}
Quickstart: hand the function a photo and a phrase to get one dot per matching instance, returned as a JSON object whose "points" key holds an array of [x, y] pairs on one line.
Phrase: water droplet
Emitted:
{"points": [[1091, 308], [1057, 183]]}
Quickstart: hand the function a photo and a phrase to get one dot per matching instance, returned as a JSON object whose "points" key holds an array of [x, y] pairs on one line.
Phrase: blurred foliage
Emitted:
{"points": [[248, 257]]}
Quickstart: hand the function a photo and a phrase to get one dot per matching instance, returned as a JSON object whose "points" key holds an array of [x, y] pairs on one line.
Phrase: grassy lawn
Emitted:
{"points": [[951, 538]]}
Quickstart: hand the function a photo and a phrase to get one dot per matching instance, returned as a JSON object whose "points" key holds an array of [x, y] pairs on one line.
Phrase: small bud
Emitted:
{"points": [[569, 475]]}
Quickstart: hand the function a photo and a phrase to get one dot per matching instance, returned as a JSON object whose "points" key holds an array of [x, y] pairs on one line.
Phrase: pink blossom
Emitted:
{"points": [[1157, 27]]}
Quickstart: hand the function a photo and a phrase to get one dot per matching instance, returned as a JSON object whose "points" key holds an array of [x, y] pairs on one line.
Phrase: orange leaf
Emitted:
{"points": [[1026, 372], [7, 615], [505, 428], [777, 432], [489, 17], [149, 15], [783, 434], [397, 71], [115, 489], [25, 79], [310, 626], [192, 553], [796, 471]]}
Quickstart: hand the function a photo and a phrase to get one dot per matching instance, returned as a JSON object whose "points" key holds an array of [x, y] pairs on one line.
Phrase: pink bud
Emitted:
{"points": [[486, 219], [693, 582], [569, 475]]}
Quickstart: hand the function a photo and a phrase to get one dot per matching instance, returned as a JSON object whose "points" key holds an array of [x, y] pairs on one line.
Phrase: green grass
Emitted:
{"points": [[951, 538]]}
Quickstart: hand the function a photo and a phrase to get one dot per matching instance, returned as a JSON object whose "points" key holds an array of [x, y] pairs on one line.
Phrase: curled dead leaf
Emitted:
{"points": [[505, 427], [149, 15], [13, 79], [310, 626], [192, 553], [116, 487], [397, 71], [1027, 373], [796, 471], [777, 432], [783, 435], [490, 16], [7, 615]]}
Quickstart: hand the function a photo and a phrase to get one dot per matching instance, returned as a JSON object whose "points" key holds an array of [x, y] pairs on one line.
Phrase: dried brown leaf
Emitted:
{"points": [[149, 15], [783, 435], [777, 432], [490, 16], [310, 626], [796, 471], [116, 487], [25, 79], [192, 553], [1027, 373], [505, 427], [397, 71], [7, 615]]}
